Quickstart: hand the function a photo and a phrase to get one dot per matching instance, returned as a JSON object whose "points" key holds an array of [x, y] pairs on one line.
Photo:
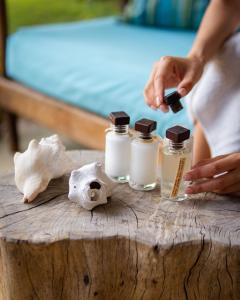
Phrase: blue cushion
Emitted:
{"points": [[166, 13], [100, 65]]}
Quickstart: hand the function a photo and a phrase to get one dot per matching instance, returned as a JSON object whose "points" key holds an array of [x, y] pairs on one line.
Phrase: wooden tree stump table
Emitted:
{"points": [[135, 247]]}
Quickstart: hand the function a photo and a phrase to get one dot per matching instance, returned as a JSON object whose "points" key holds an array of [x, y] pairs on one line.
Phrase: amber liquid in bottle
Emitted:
{"points": [[176, 161]]}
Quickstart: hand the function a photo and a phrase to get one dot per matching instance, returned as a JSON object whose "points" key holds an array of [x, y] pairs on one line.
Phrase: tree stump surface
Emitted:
{"points": [[135, 247]]}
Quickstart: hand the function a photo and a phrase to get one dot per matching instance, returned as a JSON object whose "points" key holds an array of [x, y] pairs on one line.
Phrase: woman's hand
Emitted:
{"points": [[170, 72], [221, 175]]}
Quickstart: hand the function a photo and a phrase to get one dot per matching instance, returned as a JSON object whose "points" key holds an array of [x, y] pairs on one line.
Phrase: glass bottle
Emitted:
{"points": [[144, 156], [117, 147], [176, 161]]}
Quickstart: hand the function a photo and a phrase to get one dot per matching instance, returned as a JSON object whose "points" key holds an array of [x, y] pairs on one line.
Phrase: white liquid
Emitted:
{"points": [[117, 155], [144, 164], [171, 168]]}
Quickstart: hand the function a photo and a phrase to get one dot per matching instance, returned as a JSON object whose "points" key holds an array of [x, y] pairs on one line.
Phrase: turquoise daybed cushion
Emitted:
{"points": [[184, 14], [99, 65]]}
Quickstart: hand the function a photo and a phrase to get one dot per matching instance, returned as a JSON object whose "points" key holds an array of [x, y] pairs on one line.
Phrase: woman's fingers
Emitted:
{"points": [[171, 72], [220, 183], [149, 88], [149, 95], [226, 166], [213, 168], [164, 107], [234, 188], [163, 70], [193, 73], [158, 90], [162, 77], [208, 160], [186, 84]]}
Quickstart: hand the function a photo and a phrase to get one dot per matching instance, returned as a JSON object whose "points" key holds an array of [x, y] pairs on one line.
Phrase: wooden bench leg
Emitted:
{"points": [[10, 120]]}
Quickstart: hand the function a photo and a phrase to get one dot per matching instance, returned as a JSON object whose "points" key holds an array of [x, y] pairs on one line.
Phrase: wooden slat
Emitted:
{"points": [[83, 127], [123, 3], [3, 35]]}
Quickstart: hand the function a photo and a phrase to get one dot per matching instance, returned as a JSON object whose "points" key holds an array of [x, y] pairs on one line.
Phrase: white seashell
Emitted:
{"points": [[41, 162], [89, 186]]}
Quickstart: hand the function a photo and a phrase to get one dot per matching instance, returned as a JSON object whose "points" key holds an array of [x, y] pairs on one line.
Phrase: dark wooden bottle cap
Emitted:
{"points": [[173, 100], [145, 126], [178, 134], [119, 118]]}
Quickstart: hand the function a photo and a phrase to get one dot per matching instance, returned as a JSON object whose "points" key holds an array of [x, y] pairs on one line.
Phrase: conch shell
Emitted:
{"points": [[41, 162], [89, 186]]}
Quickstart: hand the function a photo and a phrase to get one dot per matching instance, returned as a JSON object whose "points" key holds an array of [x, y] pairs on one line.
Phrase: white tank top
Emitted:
{"points": [[215, 100]]}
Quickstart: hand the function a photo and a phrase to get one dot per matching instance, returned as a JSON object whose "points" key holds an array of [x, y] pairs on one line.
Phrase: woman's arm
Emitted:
{"points": [[201, 149], [220, 21]]}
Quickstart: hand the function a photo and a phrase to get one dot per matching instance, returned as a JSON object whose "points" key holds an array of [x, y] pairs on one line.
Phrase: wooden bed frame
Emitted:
{"points": [[16, 100]]}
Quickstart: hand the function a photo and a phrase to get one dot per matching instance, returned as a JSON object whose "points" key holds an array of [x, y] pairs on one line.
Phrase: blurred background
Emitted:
{"points": [[32, 12], [98, 66]]}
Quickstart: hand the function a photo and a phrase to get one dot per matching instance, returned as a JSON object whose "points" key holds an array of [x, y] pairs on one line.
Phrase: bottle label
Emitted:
{"points": [[178, 178]]}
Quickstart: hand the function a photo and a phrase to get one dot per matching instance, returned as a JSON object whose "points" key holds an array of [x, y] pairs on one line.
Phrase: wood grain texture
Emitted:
{"points": [[135, 247], [3, 36], [82, 126], [9, 118], [17, 100], [11, 130], [123, 4]]}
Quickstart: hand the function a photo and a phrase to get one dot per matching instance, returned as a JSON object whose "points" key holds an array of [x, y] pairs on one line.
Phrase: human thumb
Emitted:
{"points": [[186, 85]]}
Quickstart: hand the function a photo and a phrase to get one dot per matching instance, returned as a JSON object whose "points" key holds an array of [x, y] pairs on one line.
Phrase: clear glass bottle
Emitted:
{"points": [[144, 156], [117, 147], [176, 161]]}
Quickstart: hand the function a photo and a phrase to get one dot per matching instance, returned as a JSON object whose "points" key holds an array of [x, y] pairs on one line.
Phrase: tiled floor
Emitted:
{"points": [[27, 131]]}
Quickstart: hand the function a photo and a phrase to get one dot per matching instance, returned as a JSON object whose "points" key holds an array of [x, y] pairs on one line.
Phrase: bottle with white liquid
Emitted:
{"points": [[117, 147], [176, 161], [144, 156]]}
